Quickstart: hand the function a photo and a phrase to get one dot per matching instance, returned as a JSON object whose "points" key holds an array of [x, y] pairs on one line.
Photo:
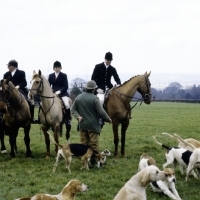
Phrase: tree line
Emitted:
{"points": [[173, 91]]}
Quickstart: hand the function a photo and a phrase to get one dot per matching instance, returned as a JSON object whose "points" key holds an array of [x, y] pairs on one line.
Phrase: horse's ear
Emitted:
{"points": [[34, 72], [39, 72], [148, 74], [7, 80]]}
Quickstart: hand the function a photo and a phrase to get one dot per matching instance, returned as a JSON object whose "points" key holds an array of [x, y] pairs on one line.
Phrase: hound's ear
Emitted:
{"points": [[148, 74], [39, 72], [145, 179], [34, 72]]}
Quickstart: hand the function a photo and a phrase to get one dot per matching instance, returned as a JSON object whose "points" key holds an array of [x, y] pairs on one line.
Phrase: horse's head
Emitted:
{"points": [[145, 88], [36, 84], [7, 88]]}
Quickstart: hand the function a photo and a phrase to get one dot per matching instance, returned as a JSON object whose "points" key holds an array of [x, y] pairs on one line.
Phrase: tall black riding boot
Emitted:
{"points": [[68, 113], [33, 121]]}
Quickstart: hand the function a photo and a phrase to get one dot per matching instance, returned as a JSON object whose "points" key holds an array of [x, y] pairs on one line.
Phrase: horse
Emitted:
{"points": [[3, 109], [17, 115], [118, 105], [51, 109]]}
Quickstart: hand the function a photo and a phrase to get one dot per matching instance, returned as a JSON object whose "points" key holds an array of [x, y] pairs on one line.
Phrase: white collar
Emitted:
{"points": [[12, 73], [106, 65], [56, 74]]}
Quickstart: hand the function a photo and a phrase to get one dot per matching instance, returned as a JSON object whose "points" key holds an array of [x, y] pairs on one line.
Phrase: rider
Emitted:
{"points": [[18, 78], [59, 83], [103, 72]]}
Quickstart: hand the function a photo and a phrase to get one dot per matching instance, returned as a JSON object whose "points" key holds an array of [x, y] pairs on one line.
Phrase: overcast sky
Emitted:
{"points": [[144, 35]]}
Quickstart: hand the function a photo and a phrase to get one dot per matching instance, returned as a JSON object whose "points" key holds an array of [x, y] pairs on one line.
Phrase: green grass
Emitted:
{"points": [[24, 176]]}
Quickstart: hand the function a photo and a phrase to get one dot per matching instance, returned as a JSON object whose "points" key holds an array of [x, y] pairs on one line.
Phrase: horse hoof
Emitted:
{"points": [[47, 157], [29, 156], [12, 155], [123, 156], [4, 151], [116, 157]]}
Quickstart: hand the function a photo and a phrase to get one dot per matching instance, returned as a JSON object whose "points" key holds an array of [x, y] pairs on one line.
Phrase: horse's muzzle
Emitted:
{"points": [[147, 98]]}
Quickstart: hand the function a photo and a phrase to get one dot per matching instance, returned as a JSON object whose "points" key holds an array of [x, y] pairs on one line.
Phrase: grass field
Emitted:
{"points": [[25, 177]]}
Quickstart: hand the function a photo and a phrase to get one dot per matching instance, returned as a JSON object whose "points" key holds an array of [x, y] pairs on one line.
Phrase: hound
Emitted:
{"points": [[194, 161], [80, 150], [135, 188], [68, 192], [167, 186], [145, 161], [182, 156], [192, 141]]}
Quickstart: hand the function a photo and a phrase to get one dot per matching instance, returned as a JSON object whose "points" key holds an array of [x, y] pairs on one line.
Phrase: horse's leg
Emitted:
{"points": [[47, 141], [68, 129], [123, 137], [56, 134], [2, 129], [116, 138], [12, 140], [27, 140]]}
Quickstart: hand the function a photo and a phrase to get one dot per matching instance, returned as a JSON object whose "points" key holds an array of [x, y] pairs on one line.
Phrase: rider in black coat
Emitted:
{"points": [[18, 78], [59, 83], [103, 72]]}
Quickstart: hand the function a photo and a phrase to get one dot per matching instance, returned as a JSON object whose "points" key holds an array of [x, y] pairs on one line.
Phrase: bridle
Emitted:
{"points": [[41, 96], [145, 97], [9, 104]]}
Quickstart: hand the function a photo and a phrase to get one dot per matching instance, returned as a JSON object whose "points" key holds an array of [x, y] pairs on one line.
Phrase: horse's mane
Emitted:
{"points": [[129, 80]]}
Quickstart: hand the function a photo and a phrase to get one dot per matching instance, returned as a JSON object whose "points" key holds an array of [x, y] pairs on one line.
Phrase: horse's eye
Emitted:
{"points": [[37, 82], [157, 172]]}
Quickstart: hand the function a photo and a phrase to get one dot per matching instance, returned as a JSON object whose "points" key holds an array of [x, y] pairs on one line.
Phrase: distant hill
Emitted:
{"points": [[158, 81]]}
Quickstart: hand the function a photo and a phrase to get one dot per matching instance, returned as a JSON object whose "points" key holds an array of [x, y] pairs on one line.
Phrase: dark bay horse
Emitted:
{"points": [[118, 105], [51, 111], [17, 115], [3, 109]]}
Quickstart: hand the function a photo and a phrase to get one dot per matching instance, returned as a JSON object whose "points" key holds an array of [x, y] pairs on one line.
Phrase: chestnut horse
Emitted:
{"points": [[17, 115], [118, 105], [51, 110]]}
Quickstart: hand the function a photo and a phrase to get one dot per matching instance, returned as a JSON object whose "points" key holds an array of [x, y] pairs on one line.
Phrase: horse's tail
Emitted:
{"points": [[61, 129], [52, 139], [162, 145]]}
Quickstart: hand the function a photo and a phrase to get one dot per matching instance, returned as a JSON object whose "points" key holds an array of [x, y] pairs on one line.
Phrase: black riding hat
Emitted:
{"points": [[57, 64], [13, 63], [108, 56]]}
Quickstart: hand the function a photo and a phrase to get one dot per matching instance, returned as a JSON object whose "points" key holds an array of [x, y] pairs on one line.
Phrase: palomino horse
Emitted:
{"points": [[17, 115], [51, 114], [118, 105]]}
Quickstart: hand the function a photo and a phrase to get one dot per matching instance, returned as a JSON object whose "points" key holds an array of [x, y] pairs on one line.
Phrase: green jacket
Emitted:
{"points": [[87, 106]]}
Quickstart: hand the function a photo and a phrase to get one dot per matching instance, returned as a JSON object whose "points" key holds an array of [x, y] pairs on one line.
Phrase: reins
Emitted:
{"points": [[9, 104], [146, 96], [47, 97]]}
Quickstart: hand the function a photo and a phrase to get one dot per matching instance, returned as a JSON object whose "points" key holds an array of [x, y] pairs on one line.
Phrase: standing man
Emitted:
{"points": [[59, 83], [104, 71], [18, 78], [88, 110]]}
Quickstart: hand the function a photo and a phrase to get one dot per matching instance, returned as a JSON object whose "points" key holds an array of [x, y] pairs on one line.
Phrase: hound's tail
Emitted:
{"points": [[162, 145], [52, 139], [24, 198], [185, 142], [171, 136]]}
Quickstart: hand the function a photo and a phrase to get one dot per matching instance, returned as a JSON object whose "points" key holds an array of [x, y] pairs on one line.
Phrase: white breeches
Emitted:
{"points": [[101, 98], [67, 102]]}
